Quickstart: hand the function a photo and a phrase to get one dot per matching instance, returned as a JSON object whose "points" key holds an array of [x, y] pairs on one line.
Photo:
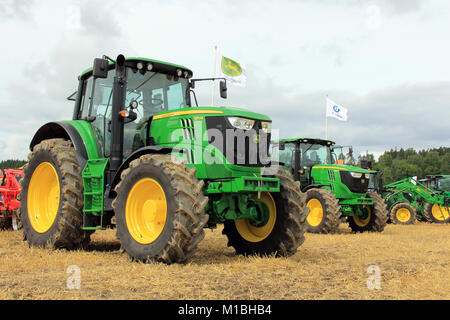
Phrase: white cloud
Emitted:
{"points": [[295, 53]]}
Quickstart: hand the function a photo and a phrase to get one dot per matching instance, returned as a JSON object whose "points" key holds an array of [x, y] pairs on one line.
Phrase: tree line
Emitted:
{"points": [[400, 164], [11, 164]]}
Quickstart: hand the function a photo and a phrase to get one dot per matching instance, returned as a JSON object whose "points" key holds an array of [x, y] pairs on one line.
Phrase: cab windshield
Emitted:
{"points": [[443, 184], [313, 154], [155, 92]]}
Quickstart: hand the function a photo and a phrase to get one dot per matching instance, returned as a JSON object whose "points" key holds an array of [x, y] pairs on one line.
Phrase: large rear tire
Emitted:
{"points": [[402, 213], [435, 213], [324, 211], [376, 219], [160, 210], [284, 231], [52, 197]]}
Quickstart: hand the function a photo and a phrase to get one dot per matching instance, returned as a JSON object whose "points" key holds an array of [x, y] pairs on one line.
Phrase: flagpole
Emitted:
{"points": [[326, 119], [213, 82]]}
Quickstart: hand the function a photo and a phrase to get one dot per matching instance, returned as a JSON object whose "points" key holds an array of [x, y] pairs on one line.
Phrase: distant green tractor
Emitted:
{"points": [[333, 191], [138, 156], [409, 199], [439, 182]]}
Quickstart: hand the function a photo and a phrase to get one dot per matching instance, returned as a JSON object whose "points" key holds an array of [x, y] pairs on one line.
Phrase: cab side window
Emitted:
{"points": [[86, 101]]}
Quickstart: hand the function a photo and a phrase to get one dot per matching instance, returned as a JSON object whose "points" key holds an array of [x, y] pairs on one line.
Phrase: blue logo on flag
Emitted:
{"points": [[336, 109]]}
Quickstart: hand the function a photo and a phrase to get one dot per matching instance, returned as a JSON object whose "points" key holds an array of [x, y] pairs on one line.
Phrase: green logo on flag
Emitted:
{"points": [[231, 67]]}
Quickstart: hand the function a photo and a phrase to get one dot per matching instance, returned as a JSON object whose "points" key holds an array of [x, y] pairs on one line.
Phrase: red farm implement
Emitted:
{"points": [[9, 204]]}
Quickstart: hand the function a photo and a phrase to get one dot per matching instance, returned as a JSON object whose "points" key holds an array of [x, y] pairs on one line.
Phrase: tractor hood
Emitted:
{"points": [[343, 167], [216, 111]]}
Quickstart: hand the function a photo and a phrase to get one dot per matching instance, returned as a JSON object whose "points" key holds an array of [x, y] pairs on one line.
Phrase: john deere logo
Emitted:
{"points": [[256, 138], [231, 67]]}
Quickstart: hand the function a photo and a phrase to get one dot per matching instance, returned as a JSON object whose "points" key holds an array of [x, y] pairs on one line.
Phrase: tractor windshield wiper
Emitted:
{"points": [[303, 153], [145, 81]]}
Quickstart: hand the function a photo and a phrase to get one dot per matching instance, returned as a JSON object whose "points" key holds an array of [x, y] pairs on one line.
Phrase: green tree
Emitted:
{"points": [[11, 164], [445, 164]]}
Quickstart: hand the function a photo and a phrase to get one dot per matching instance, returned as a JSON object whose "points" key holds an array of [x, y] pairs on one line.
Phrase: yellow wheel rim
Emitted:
{"points": [[403, 215], [146, 211], [315, 215], [440, 213], [256, 234], [360, 222], [43, 197]]}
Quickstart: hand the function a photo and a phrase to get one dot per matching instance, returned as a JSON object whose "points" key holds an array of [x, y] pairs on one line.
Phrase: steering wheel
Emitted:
{"points": [[157, 101]]}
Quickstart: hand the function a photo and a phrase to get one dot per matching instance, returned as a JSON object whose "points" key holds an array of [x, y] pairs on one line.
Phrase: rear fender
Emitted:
{"points": [[77, 131]]}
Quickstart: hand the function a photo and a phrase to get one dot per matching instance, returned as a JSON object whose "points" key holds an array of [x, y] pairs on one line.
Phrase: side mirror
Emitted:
{"points": [[223, 89], [100, 68], [281, 145]]}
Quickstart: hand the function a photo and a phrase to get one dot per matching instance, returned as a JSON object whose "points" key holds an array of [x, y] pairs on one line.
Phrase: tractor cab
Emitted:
{"points": [[148, 87], [299, 156], [437, 182]]}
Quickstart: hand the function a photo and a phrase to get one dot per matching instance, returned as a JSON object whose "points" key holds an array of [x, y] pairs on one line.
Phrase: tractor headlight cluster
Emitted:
{"points": [[356, 175], [367, 175], [266, 126], [241, 123], [140, 66]]}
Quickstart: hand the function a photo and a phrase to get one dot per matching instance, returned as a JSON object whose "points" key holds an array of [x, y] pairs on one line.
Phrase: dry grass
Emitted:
{"points": [[414, 263]]}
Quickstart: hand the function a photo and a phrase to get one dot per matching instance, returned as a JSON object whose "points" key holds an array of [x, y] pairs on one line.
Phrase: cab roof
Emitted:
{"points": [[161, 66], [309, 140]]}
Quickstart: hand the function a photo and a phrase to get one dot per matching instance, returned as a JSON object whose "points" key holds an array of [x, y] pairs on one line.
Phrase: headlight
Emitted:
{"points": [[266, 126], [241, 123], [367, 175], [356, 175]]}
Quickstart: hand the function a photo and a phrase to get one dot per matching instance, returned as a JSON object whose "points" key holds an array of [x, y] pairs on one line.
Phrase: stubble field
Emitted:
{"points": [[413, 263]]}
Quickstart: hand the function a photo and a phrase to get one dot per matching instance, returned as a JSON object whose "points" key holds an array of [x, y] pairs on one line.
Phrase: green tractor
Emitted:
{"points": [[138, 156], [409, 199], [334, 191]]}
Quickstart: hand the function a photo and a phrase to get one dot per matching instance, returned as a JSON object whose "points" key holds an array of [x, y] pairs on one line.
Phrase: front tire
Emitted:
{"points": [[376, 219], [160, 210], [324, 211], [284, 231], [402, 213], [435, 213], [52, 197]]}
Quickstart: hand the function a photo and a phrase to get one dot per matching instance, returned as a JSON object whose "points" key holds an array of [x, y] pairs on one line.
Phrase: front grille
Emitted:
{"points": [[331, 176], [188, 128], [241, 147], [356, 185]]}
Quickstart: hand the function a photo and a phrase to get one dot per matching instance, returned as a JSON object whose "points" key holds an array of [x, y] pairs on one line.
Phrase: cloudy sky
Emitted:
{"points": [[386, 61]]}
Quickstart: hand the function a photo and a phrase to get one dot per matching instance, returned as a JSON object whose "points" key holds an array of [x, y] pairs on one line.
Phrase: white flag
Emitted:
{"points": [[231, 70], [336, 111]]}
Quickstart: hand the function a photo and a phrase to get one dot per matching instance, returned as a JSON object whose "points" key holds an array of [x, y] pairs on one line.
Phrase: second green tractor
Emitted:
{"points": [[335, 192]]}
